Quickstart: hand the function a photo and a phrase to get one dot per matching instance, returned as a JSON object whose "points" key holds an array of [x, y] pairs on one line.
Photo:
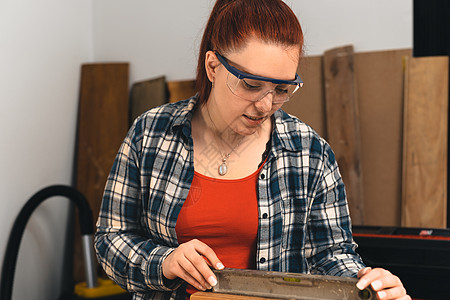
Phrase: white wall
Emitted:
{"points": [[156, 37], [368, 25], [162, 38], [42, 44]]}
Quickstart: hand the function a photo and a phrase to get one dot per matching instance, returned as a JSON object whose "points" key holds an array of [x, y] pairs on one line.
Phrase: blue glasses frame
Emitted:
{"points": [[242, 75]]}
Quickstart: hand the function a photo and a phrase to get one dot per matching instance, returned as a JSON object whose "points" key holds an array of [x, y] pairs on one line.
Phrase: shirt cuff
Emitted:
{"points": [[155, 273]]}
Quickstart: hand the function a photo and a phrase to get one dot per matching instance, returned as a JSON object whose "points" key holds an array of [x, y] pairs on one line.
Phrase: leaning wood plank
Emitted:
{"points": [[181, 90], [342, 117], [102, 125], [380, 80], [424, 193], [308, 104], [147, 94]]}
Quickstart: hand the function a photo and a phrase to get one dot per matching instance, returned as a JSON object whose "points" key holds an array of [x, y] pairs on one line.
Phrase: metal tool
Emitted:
{"points": [[289, 285]]}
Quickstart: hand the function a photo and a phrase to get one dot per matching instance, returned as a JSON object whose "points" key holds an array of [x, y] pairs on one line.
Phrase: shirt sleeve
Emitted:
{"points": [[330, 248], [125, 251]]}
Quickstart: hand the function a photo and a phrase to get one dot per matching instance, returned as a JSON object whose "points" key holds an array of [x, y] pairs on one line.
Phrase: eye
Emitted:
{"points": [[251, 85], [282, 89]]}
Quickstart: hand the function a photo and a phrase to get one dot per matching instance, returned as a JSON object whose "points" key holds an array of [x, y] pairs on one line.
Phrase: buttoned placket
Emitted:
{"points": [[262, 254]]}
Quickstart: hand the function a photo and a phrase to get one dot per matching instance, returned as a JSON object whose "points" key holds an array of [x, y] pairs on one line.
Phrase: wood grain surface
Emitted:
{"points": [[342, 117], [102, 126], [380, 80], [181, 90], [220, 296], [147, 94], [424, 201]]}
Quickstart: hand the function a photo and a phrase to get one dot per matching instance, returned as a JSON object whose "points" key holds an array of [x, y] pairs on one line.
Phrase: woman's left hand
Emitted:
{"points": [[385, 284]]}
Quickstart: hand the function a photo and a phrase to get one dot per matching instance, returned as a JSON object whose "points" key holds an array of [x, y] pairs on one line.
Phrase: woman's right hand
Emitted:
{"points": [[190, 262]]}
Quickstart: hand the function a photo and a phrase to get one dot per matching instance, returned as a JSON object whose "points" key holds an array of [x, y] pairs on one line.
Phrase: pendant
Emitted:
{"points": [[223, 169]]}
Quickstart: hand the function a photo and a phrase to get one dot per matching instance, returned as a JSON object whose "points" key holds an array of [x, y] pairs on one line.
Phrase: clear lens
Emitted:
{"points": [[255, 90]]}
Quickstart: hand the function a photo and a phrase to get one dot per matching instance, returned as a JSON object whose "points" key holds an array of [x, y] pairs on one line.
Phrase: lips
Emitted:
{"points": [[254, 118], [254, 121]]}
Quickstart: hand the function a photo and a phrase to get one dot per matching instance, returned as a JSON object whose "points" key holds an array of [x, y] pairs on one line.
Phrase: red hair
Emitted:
{"points": [[232, 22]]}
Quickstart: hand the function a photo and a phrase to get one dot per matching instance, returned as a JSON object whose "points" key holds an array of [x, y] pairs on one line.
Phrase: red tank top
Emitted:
{"points": [[224, 215]]}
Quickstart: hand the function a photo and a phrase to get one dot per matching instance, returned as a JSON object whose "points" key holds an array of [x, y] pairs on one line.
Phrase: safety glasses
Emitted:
{"points": [[254, 88]]}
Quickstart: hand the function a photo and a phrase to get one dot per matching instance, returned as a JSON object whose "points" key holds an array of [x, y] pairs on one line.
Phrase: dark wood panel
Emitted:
{"points": [[102, 126]]}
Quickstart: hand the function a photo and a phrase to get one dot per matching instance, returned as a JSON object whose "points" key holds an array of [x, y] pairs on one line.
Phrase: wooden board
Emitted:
{"points": [[220, 296], [147, 94], [342, 117], [102, 126], [380, 98], [308, 103], [379, 77], [424, 201], [181, 90]]}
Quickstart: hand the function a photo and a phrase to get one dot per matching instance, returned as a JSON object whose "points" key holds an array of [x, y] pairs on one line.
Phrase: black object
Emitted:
{"points": [[431, 27], [420, 257], [431, 37], [12, 248]]}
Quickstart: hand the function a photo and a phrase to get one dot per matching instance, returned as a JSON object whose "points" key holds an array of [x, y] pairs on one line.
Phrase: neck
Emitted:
{"points": [[219, 128]]}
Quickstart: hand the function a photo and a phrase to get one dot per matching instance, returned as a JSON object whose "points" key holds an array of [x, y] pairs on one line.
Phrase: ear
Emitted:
{"points": [[211, 65]]}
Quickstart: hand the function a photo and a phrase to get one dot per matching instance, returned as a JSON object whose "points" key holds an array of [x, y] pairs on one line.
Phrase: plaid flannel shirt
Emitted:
{"points": [[304, 223]]}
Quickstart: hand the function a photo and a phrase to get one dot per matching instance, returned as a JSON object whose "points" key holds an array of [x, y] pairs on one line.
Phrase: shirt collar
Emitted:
{"points": [[286, 134], [183, 117]]}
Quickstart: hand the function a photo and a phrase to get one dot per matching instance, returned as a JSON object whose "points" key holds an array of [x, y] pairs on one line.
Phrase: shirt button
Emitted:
{"points": [[262, 260], [263, 176], [265, 216]]}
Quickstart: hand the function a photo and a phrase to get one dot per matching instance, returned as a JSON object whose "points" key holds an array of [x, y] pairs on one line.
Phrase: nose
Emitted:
{"points": [[265, 103]]}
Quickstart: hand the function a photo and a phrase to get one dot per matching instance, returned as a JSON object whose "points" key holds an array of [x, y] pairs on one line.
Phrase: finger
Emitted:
{"points": [[201, 268], [371, 276], [385, 282], [191, 270], [209, 254], [186, 276], [397, 292], [177, 265], [207, 262]]}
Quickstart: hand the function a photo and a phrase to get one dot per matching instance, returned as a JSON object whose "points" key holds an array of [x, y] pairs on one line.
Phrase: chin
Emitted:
{"points": [[248, 131]]}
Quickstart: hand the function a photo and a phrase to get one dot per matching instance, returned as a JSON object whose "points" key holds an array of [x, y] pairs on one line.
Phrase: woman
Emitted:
{"points": [[226, 178]]}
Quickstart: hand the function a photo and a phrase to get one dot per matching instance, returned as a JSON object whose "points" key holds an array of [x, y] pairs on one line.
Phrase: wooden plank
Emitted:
{"points": [[102, 125], [342, 117], [308, 103], [181, 90], [147, 94], [379, 79], [220, 296], [424, 201]]}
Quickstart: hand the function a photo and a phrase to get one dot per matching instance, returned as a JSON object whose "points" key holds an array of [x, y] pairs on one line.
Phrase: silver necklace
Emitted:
{"points": [[223, 167]]}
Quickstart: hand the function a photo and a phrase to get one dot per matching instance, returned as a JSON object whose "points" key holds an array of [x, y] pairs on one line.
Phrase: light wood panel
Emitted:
{"points": [[425, 143], [380, 98], [308, 103], [342, 117], [379, 76]]}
